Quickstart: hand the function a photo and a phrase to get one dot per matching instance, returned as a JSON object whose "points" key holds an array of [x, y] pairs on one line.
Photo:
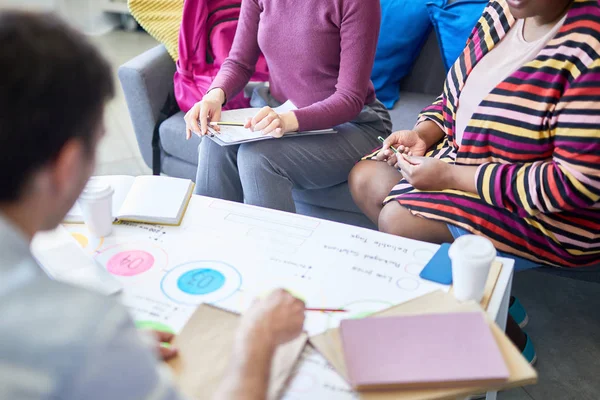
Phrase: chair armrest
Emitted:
{"points": [[147, 81]]}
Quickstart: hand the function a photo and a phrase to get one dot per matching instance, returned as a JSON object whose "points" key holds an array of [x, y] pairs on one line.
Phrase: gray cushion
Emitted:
{"points": [[428, 73], [172, 139], [337, 197], [407, 109]]}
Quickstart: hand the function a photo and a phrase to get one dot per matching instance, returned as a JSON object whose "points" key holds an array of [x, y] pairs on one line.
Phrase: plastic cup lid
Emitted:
{"points": [[472, 246], [95, 191]]}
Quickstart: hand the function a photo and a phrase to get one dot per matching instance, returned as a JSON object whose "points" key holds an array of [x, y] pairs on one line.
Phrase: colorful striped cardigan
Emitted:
{"points": [[536, 138]]}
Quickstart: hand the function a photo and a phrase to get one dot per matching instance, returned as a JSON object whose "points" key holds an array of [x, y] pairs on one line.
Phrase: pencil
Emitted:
{"points": [[391, 147], [326, 309], [226, 123]]}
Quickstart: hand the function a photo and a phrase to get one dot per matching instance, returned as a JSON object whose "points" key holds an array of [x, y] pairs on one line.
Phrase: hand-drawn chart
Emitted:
{"points": [[131, 260], [198, 282], [228, 254]]}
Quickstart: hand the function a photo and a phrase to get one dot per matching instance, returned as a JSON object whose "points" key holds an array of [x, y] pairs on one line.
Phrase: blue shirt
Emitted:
{"points": [[62, 342]]}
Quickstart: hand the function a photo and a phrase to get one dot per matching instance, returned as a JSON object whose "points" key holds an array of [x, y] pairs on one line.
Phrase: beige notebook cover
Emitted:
{"points": [[205, 350], [329, 344]]}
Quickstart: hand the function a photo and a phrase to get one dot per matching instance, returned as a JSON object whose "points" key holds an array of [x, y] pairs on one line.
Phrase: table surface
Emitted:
{"points": [[273, 249]]}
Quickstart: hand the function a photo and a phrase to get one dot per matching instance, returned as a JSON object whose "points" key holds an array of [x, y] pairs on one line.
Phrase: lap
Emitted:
{"points": [[313, 162]]}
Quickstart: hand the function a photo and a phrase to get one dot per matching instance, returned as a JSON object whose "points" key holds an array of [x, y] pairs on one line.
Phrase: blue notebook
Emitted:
{"points": [[439, 268]]}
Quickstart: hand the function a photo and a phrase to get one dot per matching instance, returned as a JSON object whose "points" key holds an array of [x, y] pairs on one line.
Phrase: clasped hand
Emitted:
{"points": [[424, 173]]}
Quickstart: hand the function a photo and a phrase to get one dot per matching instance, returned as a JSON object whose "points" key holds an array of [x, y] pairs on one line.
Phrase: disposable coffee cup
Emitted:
{"points": [[472, 257], [96, 206]]}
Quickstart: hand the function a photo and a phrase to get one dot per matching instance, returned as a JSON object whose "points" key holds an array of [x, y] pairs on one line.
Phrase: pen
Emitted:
{"points": [[391, 147], [326, 309], [226, 123]]}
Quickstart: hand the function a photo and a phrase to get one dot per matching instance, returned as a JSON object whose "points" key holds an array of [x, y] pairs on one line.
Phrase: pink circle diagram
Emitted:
{"points": [[130, 263]]}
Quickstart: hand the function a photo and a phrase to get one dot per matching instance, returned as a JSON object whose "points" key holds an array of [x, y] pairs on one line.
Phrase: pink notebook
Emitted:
{"points": [[422, 351]]}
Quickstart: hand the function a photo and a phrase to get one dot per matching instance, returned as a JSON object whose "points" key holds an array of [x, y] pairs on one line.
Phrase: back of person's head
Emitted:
{"points": [[53, 88]]}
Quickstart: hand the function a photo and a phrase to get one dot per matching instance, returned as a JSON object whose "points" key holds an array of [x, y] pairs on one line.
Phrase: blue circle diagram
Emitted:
{"points": [[201, 281]]}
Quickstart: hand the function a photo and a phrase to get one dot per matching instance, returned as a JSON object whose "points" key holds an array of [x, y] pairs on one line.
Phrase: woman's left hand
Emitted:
{"points": [[271, 123], [426, 173]]}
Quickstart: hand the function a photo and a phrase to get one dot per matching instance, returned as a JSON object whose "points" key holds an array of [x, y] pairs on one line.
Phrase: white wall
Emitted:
{"points": [[86, 15]]}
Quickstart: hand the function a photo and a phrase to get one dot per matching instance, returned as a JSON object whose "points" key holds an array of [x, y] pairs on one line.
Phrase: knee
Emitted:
{"points": [[360, 179], [250, 156], [393, 219]]}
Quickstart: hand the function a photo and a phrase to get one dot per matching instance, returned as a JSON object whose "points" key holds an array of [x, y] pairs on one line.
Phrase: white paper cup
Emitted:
{"points": [[472, 257], [96, 206]]}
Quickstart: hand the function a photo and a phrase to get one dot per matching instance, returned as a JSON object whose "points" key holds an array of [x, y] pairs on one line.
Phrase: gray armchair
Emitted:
{"points": [[148, 80]]}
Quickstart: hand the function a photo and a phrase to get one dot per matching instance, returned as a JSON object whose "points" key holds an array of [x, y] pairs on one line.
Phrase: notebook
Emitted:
{"points": [[234, 135], [422, 351], [206, 346], [146, 199]]}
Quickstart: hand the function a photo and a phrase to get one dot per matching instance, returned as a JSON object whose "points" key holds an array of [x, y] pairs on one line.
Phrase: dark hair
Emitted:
{"points": [[53, 87]]}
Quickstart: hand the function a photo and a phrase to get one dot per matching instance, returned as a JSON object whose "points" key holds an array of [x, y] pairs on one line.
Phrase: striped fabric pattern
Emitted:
{"points": [[536, 139], [161, 19]]}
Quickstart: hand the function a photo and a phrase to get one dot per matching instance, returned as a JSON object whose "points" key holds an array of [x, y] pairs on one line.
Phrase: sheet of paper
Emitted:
{"points": [[233, 134], [121, 184], [63, 260], [205, 349], [227, 254], [315, 378]]}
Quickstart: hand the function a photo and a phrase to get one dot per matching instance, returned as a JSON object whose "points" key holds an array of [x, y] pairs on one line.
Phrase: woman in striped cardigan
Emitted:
{"points": [[511, 149]]}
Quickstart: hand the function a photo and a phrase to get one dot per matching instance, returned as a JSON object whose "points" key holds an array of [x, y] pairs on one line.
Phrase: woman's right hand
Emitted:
{"points": [[408, 142], [209, 108]]}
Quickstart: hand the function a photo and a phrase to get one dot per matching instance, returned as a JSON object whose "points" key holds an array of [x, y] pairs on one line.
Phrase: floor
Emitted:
{"points": [[564, 313], [119, 153]]}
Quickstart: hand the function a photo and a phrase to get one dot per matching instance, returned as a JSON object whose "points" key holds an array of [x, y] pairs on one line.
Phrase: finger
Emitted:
{"points": [[278, 133], [248, 123], [404, 166], [413, 160], [392, 160], [382, 155], [271, 127], [167, 353], [188, 133], [164, 337], [203, 117], [266, 121], [391, 140], [193, 118], [260, 116]]}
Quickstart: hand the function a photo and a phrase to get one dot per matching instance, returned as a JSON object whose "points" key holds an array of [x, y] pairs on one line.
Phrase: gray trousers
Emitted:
{"points": [[264, 173]]}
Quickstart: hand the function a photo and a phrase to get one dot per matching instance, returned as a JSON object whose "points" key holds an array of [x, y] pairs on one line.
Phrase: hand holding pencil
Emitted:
{"points": [[205, 111], [401, 142]]}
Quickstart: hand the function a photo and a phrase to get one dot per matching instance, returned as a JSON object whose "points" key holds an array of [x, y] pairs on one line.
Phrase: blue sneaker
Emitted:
{"points": [[517, 311]]}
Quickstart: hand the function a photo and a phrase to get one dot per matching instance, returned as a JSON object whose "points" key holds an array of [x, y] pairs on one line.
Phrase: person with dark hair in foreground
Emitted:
{"points": [[57, 341]]}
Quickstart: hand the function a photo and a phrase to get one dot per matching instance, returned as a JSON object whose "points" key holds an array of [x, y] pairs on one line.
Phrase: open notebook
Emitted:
{"points": [[233, 135], [146, 199]]}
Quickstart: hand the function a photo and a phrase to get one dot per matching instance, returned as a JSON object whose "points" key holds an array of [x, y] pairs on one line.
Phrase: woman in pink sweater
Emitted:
{"points": [[320, 54]]}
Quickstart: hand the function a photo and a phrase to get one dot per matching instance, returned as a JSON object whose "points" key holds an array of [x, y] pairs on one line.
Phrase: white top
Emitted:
{"points": [[505, 58]]}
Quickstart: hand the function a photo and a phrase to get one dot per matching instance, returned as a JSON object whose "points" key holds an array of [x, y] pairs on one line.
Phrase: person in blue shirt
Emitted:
{"points": [[58, 341]]}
